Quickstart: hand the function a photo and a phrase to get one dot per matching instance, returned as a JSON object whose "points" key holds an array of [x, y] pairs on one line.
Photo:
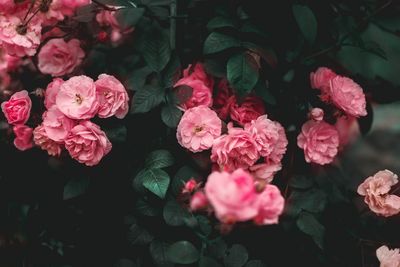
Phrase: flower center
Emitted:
{"points": [[78, 99], [198, 129], [21, 29]]}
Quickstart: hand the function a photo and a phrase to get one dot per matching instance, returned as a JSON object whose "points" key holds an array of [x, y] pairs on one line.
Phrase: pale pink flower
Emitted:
{"points": [[234, 150], [388, 257], [376, 191], [232, 196], [23, 137], [320, 79], [51, 92], [198, 201], [53, 11], [265, 171], [348, 96], [45, 143], [18, 108], [56, 124], [59, 58], [112, 96], [198, 128], [270, 204], [17, 39], [269, 136], [202, 86], [319, 140], [87, 143], [317, 114], [77, 98], [249, 109]]}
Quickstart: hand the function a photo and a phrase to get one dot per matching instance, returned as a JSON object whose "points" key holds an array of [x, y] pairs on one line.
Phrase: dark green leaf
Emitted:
{"points": [[217, 248], [217, 42], [255, 263], [85, 13], [181, 94], [137, 78], [76, 187], [208, 262], [155, 48], [156, 181], [158, 251], [183, 175], [301, 182], [129, 17], [313, 201], [137, 182], [204, 225], [182, 252], [171, 115], [306, 21], [262, 91], [139, 235], [124, 263], [237, 256], [220, 22], [174, 214], [117, 135], [309, 225], [242, 72], [171, 73], [146, 99], [146, 209], [159, 159]]}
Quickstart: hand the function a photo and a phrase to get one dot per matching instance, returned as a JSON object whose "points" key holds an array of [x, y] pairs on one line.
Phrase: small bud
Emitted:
{"points": [[198, 201], [190, 186], [317, 114], [102, 36]]}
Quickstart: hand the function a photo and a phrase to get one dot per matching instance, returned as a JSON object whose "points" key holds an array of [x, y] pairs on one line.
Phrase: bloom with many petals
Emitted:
{"points": [[58, 57], [56, 124], [388, 257], [321, 78], [232, 196], [87, 143], [23, 137], [44, 142], [319, 140], [77, 98], [270, 204], [112, 96], [376, 191], [198, 128], [249, 109], [18, 108], [51, 92]]}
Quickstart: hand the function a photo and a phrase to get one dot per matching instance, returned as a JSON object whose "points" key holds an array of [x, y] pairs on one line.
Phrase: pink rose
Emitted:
{"points": [[233, 196], [59, 58], [270, 204], [250, 109], [224, 99], [73, 4], [317, 114], [6, 6], [7, 62], [112, 96], [201, 84], [18, 40], [235, 150], [348, 130], [23, 137], [87, 143], [388, 257], [51, 92], [53, 12], [56, 124], [190, 186], [265, 171], [77, 98], [376, 191], [348, 96], [18, 108], [319, 140], [270, 138], [45, 143], [198, 128], [320, 79], [198, 201]]}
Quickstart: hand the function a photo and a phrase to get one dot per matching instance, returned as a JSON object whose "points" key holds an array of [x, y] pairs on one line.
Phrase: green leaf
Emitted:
{"points": [[156, 181], [129, 17], [208, 262], [183, 175], [76, 187], [171, 73], [217, 42], [183, 252], [242, 72], [146, 209], [255, 263], [262, 91], [309, 225], [181, 94], [158, 251], [217, 248], [313, 200], [204, 225], [174, 214], [146, 99], [220, 22], [301, 182], [155, 48], [137, 182], [139, 235], [171, 115], [159, 159], [137, 78], [237, 256], [306, 21], [118, 134]]}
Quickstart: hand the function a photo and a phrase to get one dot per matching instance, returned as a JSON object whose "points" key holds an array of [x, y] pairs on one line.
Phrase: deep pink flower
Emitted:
{"points": [[44, 142], [250, 109], [112, 96], [271, 204], [198, 128], [190, 186], [235, 150], [77, 98], [224, 99], [87, 143], [376, 191], [18, 108], [348, 130], [319, 140], [56, 124], [320, 79], [73, 4], [23, 137], [59, 58], [388, 257], [6, 6], [198, 201], [232, 196], [51, 92]]}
